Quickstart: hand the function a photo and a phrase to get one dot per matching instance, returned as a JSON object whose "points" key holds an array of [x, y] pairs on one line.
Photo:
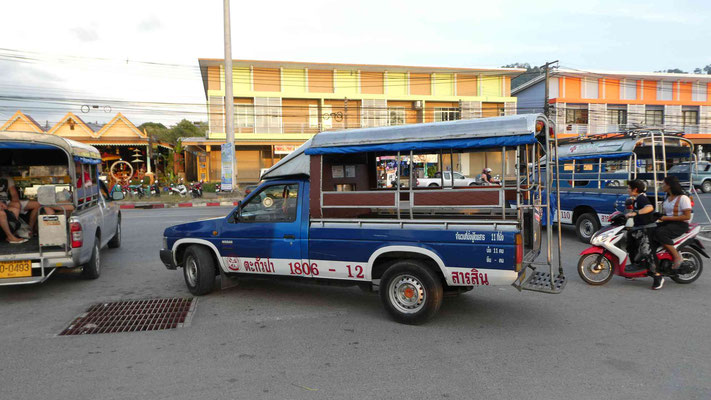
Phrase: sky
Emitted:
{"points": [[140, 57]]}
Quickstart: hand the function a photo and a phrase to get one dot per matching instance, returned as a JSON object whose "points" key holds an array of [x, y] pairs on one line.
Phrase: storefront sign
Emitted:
{"points": [[284, 148], [228, 156]]}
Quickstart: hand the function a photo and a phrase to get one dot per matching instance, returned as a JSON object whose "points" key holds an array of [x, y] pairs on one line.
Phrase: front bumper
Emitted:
{"points": [[166, 255]]}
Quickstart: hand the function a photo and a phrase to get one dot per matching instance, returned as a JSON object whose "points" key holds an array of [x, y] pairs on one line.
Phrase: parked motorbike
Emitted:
{"points": [[178, 190], [136, 190], [196, 189], [155, 189], [606, 257]]}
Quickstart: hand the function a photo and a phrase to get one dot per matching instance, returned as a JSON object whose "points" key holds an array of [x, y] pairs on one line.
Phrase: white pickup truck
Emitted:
{"points": [[459, 180], [77, 220]]}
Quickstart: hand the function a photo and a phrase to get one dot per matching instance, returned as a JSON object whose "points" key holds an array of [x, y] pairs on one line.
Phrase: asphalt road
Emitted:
{"points": [[278, 340]]}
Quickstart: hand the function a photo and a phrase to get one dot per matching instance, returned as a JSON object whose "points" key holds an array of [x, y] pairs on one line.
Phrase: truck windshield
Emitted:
{"points": [[275, 203], [679, 168]]}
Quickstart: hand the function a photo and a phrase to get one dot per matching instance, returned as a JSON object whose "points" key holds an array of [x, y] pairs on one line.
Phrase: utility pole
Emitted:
{"points": [[546, 105], [229, 103]]}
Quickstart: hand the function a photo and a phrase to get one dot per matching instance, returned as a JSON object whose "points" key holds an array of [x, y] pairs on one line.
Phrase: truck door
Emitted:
{"points": [[460, 180], [265, 236]]}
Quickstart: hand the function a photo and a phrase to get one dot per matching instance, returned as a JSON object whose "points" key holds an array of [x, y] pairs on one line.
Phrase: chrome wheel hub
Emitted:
{"points": [[191, 271], [407, 294]]}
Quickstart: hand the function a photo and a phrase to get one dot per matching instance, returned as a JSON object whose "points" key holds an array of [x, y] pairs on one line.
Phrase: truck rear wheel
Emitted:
{"points": [[411, 292], [586, 226], [199, 270], [115, 241], [92, 269]]}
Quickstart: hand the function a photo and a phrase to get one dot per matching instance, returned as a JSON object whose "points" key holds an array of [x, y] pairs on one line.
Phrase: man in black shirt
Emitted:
{"points": [[643, 209], [638, 244]]}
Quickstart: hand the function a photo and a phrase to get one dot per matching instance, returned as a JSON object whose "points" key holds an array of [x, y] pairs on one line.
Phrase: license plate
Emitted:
{"points": [[15, 269]]}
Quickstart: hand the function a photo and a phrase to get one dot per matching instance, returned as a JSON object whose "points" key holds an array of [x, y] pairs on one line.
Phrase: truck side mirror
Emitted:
{"points": [[235, 216], [117, 195]]}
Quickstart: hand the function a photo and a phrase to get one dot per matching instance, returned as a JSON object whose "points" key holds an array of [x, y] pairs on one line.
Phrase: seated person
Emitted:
{"points": [[10, 207], [486, 178], [643, 209], [638, 241], [674, 222]]}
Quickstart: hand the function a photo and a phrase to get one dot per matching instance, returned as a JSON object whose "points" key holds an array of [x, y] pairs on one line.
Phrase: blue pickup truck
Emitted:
{"points": [[594, 171], [320, 215]]}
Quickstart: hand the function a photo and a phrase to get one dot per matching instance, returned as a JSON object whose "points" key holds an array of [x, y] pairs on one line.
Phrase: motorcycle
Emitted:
{"points": [[179, 190], [155, 189], [196, 189], [605, 258], [136, 190]]}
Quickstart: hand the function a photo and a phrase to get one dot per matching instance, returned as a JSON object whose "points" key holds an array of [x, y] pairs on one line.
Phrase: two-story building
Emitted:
{"points": [[279, 105], [594, 102]]}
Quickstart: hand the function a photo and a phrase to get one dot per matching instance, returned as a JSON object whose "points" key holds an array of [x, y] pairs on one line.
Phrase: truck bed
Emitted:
{"points": [[31, 246]]}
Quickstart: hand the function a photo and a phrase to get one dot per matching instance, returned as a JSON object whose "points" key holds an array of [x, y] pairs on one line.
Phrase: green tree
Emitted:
{"points": [[171, 135], [157, 130], [187, 128]]}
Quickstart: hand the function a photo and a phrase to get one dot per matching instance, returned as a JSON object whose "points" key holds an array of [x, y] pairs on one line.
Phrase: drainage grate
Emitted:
{"points": [[132, 316]]}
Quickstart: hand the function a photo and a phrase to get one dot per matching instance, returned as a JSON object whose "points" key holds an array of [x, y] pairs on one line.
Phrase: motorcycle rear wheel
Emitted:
{"points": [[593, 272], [691, 256]]}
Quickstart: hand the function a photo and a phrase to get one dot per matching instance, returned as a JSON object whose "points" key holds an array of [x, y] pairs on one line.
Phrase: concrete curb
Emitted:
{"points": [[131, 206]]}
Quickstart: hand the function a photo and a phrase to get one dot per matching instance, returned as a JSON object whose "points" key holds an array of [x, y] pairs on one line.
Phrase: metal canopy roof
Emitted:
{"points": [[524, 124], [477, 133], [32, 139]]}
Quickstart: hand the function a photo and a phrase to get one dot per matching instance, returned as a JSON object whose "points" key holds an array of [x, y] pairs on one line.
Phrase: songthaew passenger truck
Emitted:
{"points": [[328, 213]]}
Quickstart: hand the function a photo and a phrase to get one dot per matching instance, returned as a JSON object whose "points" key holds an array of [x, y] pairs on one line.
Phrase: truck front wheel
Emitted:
{"points": [[586, 225], [411, 292], [706, 186], [199, 270]]}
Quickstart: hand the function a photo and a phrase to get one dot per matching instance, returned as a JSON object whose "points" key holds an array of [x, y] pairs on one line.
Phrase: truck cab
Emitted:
{"points": [[323, 215]]}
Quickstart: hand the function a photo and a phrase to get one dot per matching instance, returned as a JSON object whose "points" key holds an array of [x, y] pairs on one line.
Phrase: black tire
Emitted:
{"points": [[115, 241], [400, 282], [585, 226], [690, 254], [588, 272], [433, 185], [473, 184], [199, 270], [92, 269], [706, 186]]}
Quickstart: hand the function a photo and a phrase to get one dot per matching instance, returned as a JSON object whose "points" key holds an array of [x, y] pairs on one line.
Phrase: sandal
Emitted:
{"points": [[18, 242]]}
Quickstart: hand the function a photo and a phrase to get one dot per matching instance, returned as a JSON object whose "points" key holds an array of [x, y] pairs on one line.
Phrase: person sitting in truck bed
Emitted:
{"points": [[9, 210], [20, 207]]}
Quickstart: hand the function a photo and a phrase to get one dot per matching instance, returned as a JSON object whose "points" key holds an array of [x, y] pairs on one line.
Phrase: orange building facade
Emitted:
{"points": [[594, 102]]}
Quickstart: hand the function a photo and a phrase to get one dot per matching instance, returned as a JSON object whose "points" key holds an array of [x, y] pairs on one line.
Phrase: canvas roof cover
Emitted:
{"points": [[29, 140], [464, 134]]}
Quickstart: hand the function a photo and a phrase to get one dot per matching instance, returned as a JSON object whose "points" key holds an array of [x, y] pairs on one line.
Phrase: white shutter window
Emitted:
{"points": [[553, 88], [590, 89], [664, 90], [327, 117], [698, 92], [628, 89], [313, 116]]}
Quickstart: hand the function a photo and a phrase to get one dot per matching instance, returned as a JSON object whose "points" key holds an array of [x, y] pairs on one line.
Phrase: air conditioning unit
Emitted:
{"points": [[417, 105]]}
